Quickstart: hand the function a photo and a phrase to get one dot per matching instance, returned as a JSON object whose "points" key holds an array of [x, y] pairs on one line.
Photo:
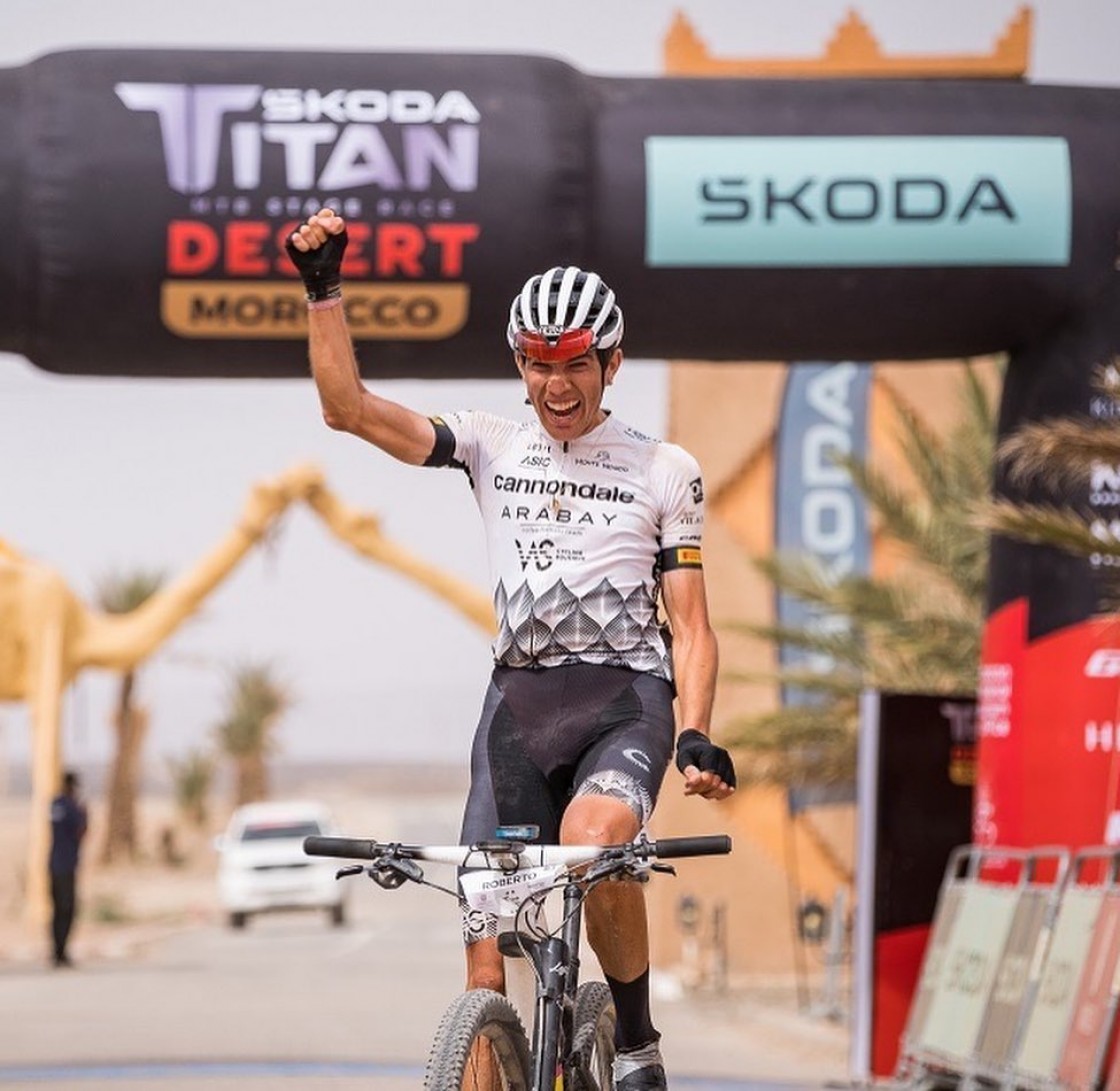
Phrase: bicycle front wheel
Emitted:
{"points": [[480, 1046], [592, 1057]]}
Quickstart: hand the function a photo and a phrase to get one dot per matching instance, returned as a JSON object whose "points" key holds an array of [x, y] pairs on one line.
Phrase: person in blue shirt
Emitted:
{"points": [[68, 827]]}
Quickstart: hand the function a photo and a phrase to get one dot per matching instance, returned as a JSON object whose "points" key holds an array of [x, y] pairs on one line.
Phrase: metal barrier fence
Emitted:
{"points": [[990, 924], [1020, 983]]}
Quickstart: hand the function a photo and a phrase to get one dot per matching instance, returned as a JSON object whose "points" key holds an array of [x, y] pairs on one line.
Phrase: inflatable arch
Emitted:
{"points": [[737, 219]]}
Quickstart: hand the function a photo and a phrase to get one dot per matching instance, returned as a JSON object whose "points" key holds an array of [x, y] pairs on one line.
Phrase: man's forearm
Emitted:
{"points": [[334, 366], [696, 664]]}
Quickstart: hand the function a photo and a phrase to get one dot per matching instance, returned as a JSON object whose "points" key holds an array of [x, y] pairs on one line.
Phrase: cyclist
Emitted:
{"points": [[588, 524]]}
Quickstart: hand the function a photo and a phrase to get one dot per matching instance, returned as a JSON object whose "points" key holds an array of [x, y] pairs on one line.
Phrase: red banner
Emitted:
{"points": [[1047, 756]]}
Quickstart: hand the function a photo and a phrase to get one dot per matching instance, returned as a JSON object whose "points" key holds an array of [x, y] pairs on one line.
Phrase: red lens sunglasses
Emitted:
{"points": [[570, 345]]}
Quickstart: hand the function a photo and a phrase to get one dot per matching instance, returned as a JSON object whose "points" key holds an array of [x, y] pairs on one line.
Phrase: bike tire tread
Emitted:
{"points": [[479, 1012]]}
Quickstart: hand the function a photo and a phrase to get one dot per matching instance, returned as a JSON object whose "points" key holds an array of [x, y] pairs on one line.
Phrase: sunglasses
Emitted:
{"points": [[570, 345]]}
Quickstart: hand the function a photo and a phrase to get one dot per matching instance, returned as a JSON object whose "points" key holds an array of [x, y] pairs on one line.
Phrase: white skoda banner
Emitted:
{"points": [[857, 201]]}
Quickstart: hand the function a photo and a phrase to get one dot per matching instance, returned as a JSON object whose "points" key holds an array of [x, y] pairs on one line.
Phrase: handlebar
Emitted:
{"points": [[356, 848], [343, 848], [665, 848]]}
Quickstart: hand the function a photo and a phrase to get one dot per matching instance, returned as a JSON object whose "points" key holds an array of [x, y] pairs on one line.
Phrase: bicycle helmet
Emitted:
{"points": [[562, 314]]}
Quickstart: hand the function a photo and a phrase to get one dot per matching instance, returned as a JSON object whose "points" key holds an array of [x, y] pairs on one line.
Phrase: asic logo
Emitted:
{"points": [[304, 123], [539, 554]]}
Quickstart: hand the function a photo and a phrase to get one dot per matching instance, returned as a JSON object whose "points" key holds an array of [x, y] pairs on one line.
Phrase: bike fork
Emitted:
{"points": [[558, 977]]}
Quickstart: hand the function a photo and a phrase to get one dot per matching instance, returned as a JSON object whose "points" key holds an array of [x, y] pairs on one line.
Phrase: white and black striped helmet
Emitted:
{"points": [[561, 310]]}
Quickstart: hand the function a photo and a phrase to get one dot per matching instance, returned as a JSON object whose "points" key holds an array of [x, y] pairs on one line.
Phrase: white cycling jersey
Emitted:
{"points": [[578, 534]]}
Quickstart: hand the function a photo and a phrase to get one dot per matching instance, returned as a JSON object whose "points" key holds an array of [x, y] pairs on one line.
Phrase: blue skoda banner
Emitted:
{"points": [[820, 513], [857, 201]]}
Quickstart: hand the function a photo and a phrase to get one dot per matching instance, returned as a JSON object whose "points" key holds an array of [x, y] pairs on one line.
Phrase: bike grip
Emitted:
{"points": [[344, 848], [718, 844]]}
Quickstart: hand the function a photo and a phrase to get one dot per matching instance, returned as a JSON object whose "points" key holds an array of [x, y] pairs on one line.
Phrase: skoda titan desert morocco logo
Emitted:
{"points": [[252, 161]]}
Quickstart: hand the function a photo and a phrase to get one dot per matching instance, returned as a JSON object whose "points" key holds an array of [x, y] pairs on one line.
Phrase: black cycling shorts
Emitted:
{"points": [[548, 736]]}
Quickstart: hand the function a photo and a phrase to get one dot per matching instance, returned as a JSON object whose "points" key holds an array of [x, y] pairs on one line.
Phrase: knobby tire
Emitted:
{"points": [[592, 1056], [487, 1018]]}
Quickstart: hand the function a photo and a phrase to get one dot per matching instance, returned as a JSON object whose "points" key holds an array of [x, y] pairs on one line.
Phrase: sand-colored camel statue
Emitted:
{"points": [[49, 635]]}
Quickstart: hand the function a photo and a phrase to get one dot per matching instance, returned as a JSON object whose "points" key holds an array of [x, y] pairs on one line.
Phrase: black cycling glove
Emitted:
{"points": [[695, 748], [320, 269]]}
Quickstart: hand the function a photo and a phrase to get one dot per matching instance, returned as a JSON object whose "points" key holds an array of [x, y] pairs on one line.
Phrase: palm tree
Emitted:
{"points": [[917, 629], [121, 593], [192, 777], [1058, 453], [256, 701]]}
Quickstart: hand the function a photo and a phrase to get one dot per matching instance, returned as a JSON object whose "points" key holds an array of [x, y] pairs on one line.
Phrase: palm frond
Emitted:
{"points": [[1059, 451], [918, 631], [1042, 524]]}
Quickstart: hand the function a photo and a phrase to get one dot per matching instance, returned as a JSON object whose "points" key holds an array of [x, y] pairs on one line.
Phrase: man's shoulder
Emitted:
{"points": [[634, 435], [480, 421]]}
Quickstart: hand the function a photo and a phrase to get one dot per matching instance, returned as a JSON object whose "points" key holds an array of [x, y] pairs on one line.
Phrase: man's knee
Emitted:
{"points": [[598, 820]]}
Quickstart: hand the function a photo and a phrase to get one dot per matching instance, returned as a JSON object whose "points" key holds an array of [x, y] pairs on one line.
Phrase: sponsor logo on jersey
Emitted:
{"points": [[588, 490], [681, 557], [559, 516], [602, 461], [538, 554]]}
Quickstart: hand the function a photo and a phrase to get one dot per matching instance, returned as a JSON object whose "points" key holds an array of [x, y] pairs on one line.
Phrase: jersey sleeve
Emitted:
{"points": [[682, 516], [467, 440]]}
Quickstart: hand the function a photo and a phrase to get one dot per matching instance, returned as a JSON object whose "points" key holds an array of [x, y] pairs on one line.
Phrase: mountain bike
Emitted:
{"points": [[481, 1042]]}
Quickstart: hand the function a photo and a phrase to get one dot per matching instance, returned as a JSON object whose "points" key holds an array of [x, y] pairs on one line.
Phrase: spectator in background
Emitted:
{"points": [[68, 827]]}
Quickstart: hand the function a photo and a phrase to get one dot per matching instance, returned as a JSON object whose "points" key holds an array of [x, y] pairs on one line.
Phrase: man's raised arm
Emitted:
{"points": [[316, 250]]}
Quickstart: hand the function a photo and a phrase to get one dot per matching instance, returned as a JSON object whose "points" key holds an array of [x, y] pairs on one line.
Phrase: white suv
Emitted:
{"points": [[263, 866]]}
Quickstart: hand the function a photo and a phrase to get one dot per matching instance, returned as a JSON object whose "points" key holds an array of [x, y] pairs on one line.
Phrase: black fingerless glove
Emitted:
{"points": [[695, 748], [320, 269]]}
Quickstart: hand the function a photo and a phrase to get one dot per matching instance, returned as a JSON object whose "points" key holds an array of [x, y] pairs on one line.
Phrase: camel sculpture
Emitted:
{"points": [[49, 635]]}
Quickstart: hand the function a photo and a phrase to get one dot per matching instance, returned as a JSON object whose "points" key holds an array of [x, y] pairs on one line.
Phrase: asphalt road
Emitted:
{"points": [[292, 1002]]}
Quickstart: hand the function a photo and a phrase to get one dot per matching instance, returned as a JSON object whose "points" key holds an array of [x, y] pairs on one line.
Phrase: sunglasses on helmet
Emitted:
{"points": [[568, 345]]}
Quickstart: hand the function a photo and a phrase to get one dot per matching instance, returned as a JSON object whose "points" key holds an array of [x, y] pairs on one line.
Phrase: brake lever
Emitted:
{"points": [[665, 869], [350, 869], [390, 872], [605, 868]]}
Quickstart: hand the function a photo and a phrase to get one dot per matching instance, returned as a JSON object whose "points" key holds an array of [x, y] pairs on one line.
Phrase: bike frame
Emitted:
{"points": [[557, 963]]}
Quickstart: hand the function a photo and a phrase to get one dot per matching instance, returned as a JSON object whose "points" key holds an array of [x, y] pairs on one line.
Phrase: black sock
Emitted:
{"points": [[631, 1004]]}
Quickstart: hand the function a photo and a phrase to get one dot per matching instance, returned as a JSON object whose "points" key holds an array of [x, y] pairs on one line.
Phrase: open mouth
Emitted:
{"points": [[562, 410]]}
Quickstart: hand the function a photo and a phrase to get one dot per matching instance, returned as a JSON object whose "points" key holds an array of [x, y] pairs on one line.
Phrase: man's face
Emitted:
{"points": [[568, 395]]}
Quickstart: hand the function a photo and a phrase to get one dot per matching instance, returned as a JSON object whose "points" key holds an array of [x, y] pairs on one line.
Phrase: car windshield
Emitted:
{"points": [[280, 831]]}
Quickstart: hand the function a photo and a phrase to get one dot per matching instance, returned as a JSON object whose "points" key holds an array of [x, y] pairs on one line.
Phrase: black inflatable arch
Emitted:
{"points": [[148, 193]]}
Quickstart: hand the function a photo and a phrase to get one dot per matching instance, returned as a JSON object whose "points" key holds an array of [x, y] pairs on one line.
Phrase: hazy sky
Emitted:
{"points": [[105, 474]]}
